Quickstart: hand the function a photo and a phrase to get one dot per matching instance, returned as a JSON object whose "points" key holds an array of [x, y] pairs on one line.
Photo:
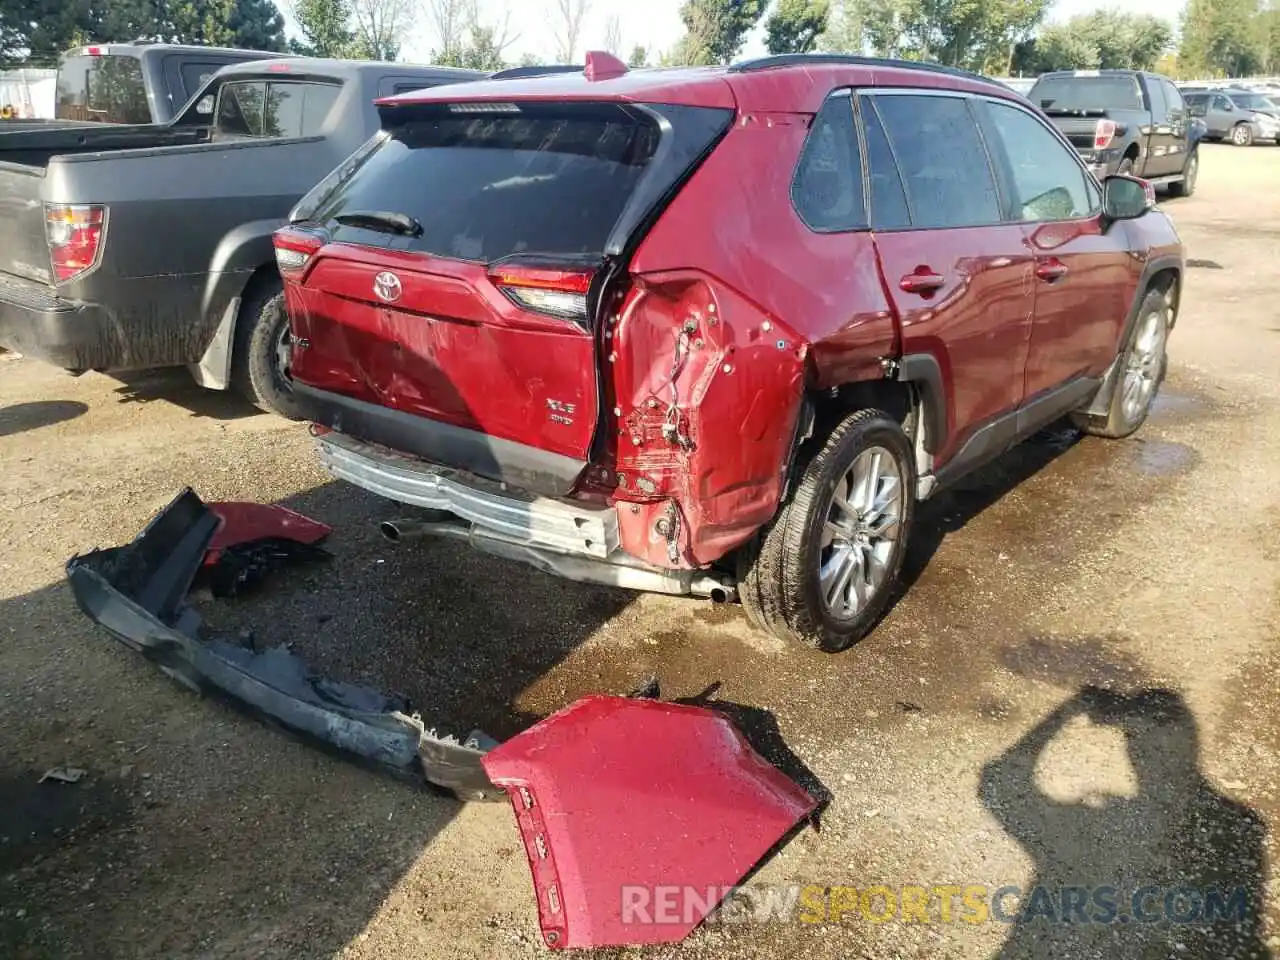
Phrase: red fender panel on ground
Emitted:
{"points": [[620, 800]]}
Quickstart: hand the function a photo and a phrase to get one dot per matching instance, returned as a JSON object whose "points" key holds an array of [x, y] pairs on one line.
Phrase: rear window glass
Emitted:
{"points": [[103, 89], [548, 181], [1086, 93]]}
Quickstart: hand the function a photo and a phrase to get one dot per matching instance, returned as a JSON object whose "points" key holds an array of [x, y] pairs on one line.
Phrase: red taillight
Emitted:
{"points": [[556, 293], [1103, 134], [294, 250], [75, 233], [95, 51]]}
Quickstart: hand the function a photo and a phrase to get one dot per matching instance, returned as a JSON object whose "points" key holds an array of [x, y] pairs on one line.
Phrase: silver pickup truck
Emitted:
{"points": [[126, 247]]}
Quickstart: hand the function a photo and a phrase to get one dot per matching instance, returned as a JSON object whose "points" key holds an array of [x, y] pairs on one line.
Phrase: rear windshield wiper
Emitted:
{"points": [[383, 221]]}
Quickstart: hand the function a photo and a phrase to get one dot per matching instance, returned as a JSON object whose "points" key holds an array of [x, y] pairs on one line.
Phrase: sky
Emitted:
{"points": [[656, 24]]}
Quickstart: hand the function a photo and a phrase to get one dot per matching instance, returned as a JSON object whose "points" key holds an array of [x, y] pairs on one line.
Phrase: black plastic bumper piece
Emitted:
{"points": [[138, 592]]}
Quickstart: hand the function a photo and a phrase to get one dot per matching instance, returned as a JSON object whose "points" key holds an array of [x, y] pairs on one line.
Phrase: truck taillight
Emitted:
{"points": [[555, 293], [75, 233], [294, 250], [1103, 134]]}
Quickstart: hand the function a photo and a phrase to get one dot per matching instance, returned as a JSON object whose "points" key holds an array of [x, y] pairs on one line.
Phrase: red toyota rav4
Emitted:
{"points": [[716, 331]]}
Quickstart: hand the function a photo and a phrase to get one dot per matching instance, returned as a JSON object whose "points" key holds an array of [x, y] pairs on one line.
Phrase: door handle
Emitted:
{"points": [[922, 280], [1051, 270]]}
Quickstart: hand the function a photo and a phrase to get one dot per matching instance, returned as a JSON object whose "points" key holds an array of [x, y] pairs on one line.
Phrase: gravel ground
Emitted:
{"points": [[954, 742]]}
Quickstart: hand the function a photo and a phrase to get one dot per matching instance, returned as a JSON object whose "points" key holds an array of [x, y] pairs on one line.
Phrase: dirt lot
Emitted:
{"points": [[1143, 566]]}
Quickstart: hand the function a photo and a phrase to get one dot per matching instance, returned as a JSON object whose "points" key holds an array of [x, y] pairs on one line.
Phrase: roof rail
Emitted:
{"points": [[803, 59], [540, 70]]}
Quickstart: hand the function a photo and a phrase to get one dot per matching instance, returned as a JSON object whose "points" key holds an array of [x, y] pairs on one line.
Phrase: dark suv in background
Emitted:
{"points": [[716, 331], [1124, 121]]}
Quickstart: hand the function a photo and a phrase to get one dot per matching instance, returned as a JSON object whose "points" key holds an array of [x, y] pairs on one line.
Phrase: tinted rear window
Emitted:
{"points": [[1086, 93], [104, 89], [547, 181]]}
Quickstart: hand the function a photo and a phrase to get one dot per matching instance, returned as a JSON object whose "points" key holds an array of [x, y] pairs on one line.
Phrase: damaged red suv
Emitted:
{"points": [[716, 331]]}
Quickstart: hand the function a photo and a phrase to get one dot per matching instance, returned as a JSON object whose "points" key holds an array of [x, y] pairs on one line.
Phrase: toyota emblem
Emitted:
{"points": [[387, 286]]}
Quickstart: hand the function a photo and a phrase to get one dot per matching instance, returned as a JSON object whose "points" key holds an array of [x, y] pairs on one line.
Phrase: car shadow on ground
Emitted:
{"points": [[175, 385], [21, 417], [1176, 869]]}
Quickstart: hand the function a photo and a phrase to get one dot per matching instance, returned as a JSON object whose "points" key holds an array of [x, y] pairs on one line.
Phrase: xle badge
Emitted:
{"points": [[561, 412]]}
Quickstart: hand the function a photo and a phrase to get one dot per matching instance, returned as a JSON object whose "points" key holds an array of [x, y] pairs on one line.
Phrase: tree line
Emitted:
{"points": [[1216, 37]]}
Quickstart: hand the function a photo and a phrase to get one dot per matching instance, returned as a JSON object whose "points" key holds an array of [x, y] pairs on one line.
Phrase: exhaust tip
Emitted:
{"points": [[390, 530], [719, 595]]}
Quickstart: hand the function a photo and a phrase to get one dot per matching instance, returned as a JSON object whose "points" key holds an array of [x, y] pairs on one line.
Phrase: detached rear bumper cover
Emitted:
{"points": [[625, 804], [138, 593]]}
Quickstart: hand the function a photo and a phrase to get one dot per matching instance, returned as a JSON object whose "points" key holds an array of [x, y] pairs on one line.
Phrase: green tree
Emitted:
{"points": [[715, 29], [1222, 37], [1061, 46], [639, 57], [795, 25], [844, 28], [887, 25], [975, 34], [483, 51], [257, 25], [1270, 30], [1127, 41], [325, 26]]}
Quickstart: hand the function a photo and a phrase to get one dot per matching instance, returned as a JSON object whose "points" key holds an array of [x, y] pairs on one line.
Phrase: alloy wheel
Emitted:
{"points": [[862, 527], [1144, 365]]}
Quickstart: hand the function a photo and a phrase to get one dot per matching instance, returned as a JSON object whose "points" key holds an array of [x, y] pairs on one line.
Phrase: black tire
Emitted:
{"points": [[1241, 135], [1122, 421], [256, 372], [1190, 173], [780, 574]]}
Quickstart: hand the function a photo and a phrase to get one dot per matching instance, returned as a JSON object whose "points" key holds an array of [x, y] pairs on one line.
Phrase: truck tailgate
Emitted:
{"points": [[24, 252]]}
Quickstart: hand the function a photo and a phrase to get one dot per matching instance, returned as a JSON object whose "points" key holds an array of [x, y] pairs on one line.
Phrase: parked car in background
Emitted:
{"points": [[717, 331], [1239, 116], [1124, 121], [132, 83], [125, 247]]}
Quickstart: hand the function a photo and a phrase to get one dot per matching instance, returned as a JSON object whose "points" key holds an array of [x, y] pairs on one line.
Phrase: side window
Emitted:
{"points": [[1172, 97], [239, 111], [1048, 179], [943, 161], [1221, 103], [889, 209], [400, 88], [316, 107], [827, 188], [297, 109], [1159, 109], [1197, 104]]}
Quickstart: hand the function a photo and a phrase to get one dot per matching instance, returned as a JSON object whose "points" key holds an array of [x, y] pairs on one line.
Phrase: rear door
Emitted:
{"points": [[1082, 271], [958, 273], [1179, 120], [462, 251]]}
